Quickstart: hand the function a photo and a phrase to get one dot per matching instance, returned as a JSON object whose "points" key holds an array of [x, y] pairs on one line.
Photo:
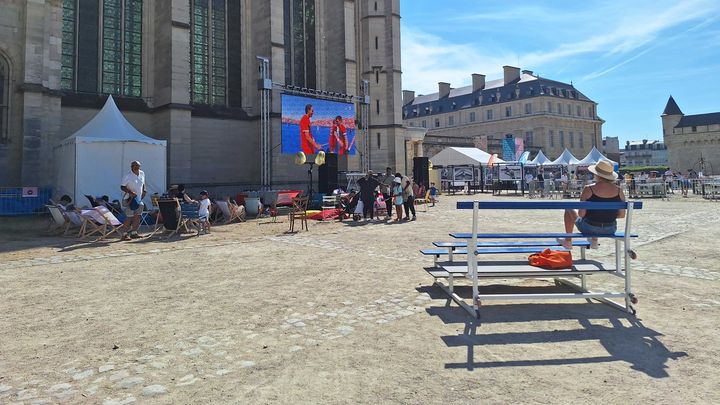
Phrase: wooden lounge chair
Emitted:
{"points": [[171, 214], [60, 220], [101, 221], [299, 212], [230, 211]]}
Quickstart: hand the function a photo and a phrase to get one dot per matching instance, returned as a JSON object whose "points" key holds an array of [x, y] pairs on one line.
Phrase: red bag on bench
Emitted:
{"points": [[551, 259]]}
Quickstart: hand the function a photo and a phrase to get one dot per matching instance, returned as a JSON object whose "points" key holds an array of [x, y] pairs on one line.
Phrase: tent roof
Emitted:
{"points": [[540, 159], [461, 156], [566, 158], [593, 157], [109, 125]]}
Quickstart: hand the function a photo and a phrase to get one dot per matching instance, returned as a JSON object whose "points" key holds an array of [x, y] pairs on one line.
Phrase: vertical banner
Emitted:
{"points": [[519, 148], [508, 149]]}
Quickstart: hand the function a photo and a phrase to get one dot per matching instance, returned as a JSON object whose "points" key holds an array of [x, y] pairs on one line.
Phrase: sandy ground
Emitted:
{"points": [[344, 313]]}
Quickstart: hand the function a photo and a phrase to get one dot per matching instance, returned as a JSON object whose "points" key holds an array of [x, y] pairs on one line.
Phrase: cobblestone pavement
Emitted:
{"points": [[219, 318]]}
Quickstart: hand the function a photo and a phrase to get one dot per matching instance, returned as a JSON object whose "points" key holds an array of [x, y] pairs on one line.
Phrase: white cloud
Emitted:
{"points": [[428, 59]]}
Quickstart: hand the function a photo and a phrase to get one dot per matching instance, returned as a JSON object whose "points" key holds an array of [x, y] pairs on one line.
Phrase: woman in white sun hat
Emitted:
{"points": [[596, 222]]}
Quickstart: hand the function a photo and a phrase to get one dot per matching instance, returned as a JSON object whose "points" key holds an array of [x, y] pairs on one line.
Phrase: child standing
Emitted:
{"points": [[397, 193], [433, 193], [204, 212]]}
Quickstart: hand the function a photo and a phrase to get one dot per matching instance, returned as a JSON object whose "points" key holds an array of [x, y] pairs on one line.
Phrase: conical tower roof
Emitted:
{"points": [[671, 108]]}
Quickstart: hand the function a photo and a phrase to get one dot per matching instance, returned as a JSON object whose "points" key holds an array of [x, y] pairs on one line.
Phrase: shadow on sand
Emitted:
{"points": [[625, 339]]}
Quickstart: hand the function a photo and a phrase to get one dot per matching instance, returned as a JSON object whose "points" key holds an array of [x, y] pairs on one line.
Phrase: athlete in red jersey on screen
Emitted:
{"points": [[338, 137], [307, 141]]}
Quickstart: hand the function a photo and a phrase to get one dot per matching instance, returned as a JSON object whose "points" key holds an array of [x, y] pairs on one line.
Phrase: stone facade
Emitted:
{"points": [[693, 141], [644, 153], [208, 146], [610, 148], [546, 114]]}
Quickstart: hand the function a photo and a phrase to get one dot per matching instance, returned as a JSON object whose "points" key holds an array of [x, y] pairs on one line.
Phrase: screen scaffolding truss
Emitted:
{"points": [[265, 88]]}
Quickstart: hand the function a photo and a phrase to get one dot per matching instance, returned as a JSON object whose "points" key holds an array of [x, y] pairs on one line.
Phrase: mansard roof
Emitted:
{"points": [[495, 92], [671, 108], [698, 120]]}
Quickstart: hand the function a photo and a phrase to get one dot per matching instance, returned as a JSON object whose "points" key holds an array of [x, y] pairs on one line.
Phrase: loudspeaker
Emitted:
{"points": [[421, 171], [328, 174]]}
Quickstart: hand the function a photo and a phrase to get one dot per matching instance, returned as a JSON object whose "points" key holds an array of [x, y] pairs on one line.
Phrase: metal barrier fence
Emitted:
{"points": [[24, 200]]}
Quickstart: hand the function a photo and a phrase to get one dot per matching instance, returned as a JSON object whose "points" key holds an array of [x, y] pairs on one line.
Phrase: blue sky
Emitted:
{"points": [[627, 56]]}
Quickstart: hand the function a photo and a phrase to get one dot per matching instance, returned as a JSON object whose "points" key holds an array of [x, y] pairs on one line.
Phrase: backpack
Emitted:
{"points": [[551, 259]]}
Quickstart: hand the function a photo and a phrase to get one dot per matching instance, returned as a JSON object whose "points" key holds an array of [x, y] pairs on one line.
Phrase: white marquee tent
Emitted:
{"points": [[94, 159], [593, 157], [462, 157], [565, 159], [540, 160]]}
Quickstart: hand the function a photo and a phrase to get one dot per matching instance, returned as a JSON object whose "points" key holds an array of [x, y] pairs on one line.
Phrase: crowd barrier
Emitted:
{"points": [[24, 200]]}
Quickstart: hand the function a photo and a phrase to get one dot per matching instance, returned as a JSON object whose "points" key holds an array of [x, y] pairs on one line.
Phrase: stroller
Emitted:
{"points": [[352, 206]]}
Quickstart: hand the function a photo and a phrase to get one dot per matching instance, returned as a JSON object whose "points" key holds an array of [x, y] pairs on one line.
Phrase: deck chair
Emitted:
{"points": [[189, 217], [171, 215], [60, 221], [299, 212], [112, 224], [424, 201], [93, 201], [101, 221], [231, 211]]}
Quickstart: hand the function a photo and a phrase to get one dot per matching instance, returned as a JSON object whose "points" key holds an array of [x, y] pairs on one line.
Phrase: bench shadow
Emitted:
{"points": [[625, 339]]}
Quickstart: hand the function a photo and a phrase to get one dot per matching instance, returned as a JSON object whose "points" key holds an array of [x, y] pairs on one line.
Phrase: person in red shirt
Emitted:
{"points": [[307, 141], [338, 137]]}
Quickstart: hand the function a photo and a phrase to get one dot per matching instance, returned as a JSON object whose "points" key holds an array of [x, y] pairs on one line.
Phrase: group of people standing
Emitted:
{"points": [[390, 189]]}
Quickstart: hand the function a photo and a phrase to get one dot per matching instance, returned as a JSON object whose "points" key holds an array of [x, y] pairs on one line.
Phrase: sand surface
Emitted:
{"points": [[344, 313]]}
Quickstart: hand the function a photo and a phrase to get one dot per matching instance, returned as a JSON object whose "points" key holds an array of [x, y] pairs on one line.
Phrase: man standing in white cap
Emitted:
{"points": [[133, 185]]}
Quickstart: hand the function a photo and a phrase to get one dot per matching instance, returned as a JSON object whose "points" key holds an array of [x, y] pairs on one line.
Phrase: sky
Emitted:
{"points": [[628, 56]]}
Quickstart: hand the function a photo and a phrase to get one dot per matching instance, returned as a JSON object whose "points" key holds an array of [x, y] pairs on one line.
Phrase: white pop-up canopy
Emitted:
{"points": [[540, 160], [593, 157], [94, 159], [462, 157], [565, 159]]}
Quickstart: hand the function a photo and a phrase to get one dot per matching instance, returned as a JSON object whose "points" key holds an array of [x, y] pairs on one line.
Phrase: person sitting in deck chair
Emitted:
{"points": [[596, 222], [66, 203]]}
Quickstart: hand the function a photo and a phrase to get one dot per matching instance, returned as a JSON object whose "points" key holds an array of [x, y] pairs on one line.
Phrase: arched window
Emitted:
{"points": [[4, 98], [102, 46]]}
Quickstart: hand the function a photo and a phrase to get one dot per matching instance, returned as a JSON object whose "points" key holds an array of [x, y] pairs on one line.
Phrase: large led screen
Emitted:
{"points": [[327, 132]]}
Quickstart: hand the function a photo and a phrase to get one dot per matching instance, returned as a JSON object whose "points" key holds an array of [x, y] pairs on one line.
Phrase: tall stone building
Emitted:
{"points": [[692, 141], [186, 71], [546, 114]]}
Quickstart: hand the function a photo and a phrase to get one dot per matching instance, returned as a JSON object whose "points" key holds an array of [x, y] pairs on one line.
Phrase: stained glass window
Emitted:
{"points": [[300, 67], [208, 77], [67, 72], [111, 46], [132, 53]]}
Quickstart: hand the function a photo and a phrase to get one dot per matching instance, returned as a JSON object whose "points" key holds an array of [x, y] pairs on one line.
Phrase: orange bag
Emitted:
{"points": [[551, 259]]}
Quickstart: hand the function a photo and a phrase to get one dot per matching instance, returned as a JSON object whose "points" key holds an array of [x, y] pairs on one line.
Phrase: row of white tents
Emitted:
{"points": [[454, 156]]}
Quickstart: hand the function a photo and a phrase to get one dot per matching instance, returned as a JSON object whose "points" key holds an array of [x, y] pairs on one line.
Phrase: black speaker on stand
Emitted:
{"points": [[328, 174], [421, 171]]}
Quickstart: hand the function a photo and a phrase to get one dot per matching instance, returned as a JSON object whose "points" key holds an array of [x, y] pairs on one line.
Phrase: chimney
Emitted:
{"points": [[443, 89], [528, 72], [408, 96], [478, 82], [510, 74]]}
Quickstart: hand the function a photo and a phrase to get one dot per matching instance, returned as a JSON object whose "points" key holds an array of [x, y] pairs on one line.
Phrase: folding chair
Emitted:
{"points": [[171, 215], [299, 212], [111, 223], [424, 200], [189, 217], [230, 211], [60, 221]]}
